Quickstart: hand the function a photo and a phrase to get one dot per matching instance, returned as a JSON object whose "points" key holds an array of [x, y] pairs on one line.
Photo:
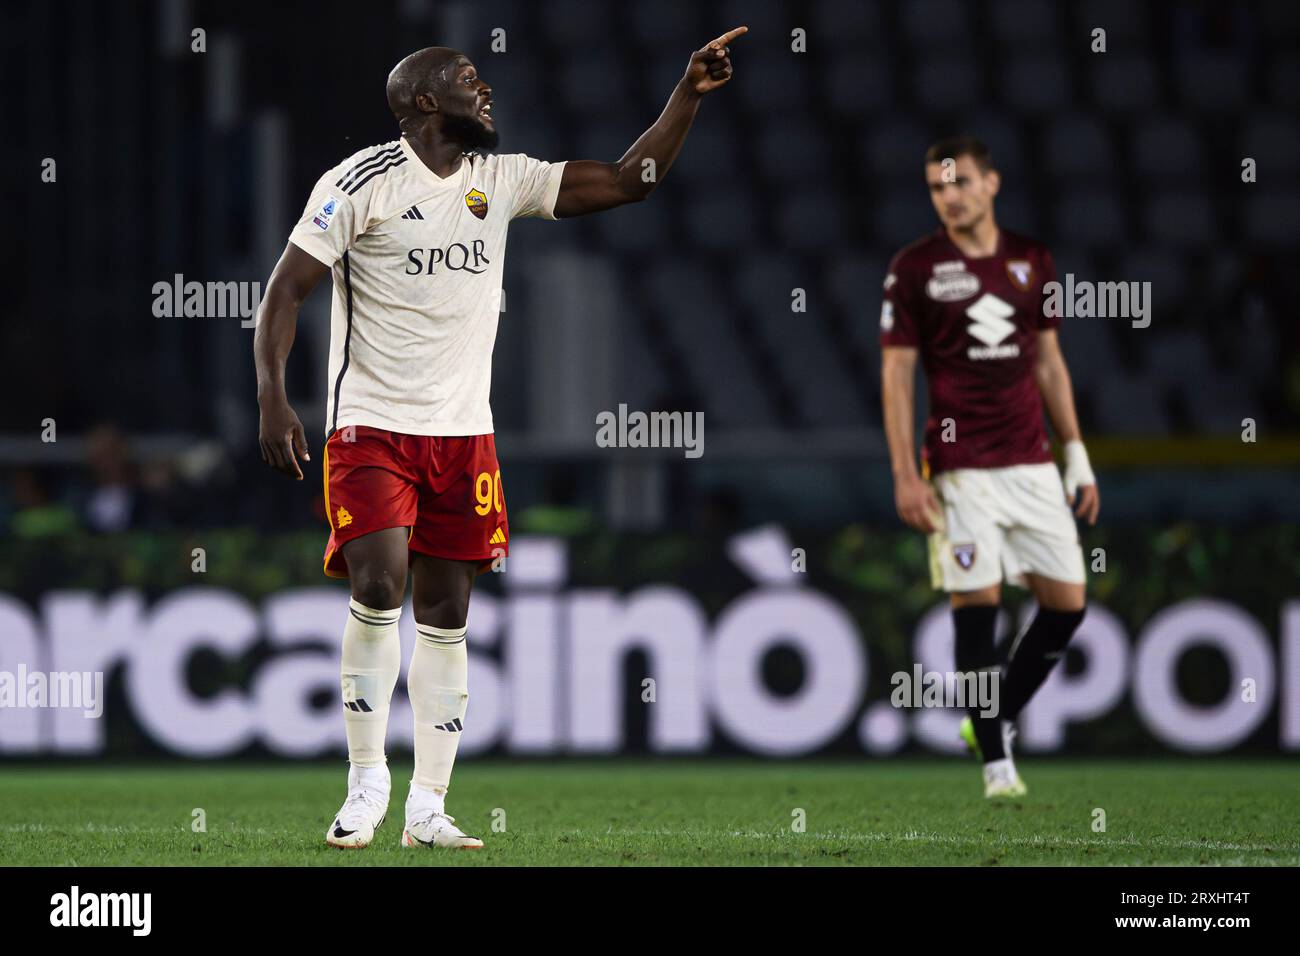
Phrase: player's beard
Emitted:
{"points": [[469, 132]]}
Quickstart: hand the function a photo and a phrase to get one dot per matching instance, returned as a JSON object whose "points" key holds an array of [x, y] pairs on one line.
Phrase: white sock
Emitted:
{"points": [[437, 682], [998, 767], [370, 778], [421, 799], [372, 657]]}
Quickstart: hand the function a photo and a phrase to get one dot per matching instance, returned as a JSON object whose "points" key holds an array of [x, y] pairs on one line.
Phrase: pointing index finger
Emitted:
{"points": [[727, 38]]}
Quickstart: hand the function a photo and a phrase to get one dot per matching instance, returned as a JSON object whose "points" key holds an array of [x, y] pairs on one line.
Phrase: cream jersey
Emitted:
{"points": [[417, 263]]}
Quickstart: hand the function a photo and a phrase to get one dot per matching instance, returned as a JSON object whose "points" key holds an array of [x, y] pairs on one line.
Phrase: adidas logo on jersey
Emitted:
{"points": [[991, 326], [413, 213], [498, 537]]}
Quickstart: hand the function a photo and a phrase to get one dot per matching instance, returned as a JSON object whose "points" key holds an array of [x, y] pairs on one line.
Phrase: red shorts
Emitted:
{"points": [[446, 490]]}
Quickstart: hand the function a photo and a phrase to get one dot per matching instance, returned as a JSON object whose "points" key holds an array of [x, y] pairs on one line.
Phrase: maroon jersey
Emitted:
{"points": [[975, 323]]}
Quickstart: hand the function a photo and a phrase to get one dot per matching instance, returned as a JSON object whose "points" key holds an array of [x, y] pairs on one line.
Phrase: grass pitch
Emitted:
{"points": [[661, 813]]}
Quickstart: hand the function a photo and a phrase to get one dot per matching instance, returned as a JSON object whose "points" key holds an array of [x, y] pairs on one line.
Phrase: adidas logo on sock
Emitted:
{"points": [[360, 706], [452, 726]]}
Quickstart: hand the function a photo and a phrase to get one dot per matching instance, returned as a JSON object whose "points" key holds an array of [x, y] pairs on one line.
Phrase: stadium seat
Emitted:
{"points": [[1017, 212], [1025, 23], [1090, 351], [1125, 83], [1180, 218], [1271, 217], [1035, 84], [782, 84], [854, 287], [935, 23], [1130, 405], [814, 221], [825, 394], [1166, 148], [636, 229], [716, 215], [1272, 139], [605, 139], [792, 137], [607, 98], [894, 149], [946, 85], [846, 26], [815, 371], [1091, 217], [1177, 358], [1215, 82], [574, 24], [1167, 272], [1281, 18], [903, 216], [1125, 23], [1284, 82], [664, 23], [513, 79], [858, 85], [1218, 403], [1079, 150], [1004, 135], [713, 154], [642, 380], [690, 300]]}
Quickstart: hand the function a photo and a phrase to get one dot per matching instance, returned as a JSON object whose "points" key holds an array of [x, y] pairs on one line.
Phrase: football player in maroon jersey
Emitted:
{"points": [[968, 301]]}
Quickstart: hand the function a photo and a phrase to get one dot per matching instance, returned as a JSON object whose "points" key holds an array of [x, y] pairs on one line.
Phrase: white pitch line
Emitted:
{"points": [[916, 836]]}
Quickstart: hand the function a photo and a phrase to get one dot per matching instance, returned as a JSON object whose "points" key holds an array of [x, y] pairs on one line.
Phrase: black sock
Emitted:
{"points": [[974, 627], [1034, 655]]}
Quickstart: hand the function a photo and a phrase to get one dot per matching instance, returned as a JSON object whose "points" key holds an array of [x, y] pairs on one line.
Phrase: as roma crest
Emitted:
{"points": [[1021, 273], [964, 554], [477, 203]]}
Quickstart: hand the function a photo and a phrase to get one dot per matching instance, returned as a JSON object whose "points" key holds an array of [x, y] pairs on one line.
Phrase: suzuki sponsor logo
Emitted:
{"points": [[991, 325]]}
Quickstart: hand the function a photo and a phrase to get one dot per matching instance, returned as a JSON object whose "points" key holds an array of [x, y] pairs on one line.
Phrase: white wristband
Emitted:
{"points": [[1077, 469]]}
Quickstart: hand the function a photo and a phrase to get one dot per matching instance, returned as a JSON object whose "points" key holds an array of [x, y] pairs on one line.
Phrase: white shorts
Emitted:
{"points": [[1001, 522]]}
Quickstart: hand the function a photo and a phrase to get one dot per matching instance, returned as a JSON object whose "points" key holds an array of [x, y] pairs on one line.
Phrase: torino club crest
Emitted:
{"points": [[1021, 273], [964, 554], [477, 203]]}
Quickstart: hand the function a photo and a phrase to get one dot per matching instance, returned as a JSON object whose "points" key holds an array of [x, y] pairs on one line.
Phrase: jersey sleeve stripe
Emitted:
{"points": [[373, 173], [347, 343], [383, 155]]}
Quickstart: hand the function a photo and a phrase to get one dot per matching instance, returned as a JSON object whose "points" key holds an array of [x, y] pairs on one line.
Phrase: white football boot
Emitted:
{"points": [[428, 825], [363, 811], [1001, 780]]}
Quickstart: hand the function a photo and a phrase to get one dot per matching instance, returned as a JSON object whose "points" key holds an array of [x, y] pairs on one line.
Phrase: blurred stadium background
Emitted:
{"points": [[804, 174]]}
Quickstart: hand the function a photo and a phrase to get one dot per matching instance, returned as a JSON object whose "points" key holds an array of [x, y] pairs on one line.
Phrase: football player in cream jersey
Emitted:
{"points": [[413, 234]]}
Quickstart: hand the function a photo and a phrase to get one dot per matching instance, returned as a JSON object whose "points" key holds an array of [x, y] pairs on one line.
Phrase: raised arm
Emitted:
{"points": [[1053, 378], [280, 431], [914, 499], [589, 186]]}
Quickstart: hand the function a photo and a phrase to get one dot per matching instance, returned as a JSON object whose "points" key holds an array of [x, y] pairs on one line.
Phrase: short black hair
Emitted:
{"points": [[953, 147]]}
